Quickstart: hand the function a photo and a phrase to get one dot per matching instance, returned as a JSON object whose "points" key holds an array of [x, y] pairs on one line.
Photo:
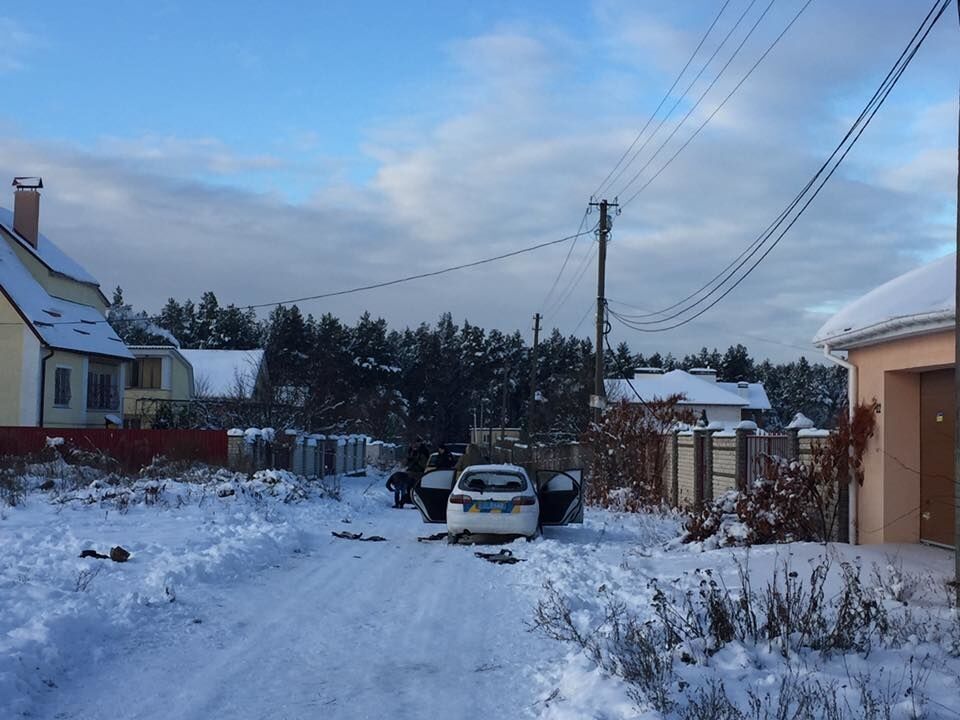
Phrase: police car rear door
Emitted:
{"points": [[561, 496], [430, 495]]}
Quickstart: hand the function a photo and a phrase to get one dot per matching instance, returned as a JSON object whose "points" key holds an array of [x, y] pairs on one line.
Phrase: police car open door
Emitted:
{"points": [[430, 495], [561, 496]]}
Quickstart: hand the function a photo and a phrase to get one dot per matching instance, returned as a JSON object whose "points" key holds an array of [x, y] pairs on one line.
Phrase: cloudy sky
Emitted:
{"points": [[275, 152]]}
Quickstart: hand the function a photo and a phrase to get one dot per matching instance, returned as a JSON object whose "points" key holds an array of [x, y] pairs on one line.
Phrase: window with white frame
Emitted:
{"points": [[61, 387]]}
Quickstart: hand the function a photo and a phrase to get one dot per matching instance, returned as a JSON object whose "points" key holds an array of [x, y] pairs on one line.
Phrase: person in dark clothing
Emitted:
{"points": [[417, 457], [400, 483], [445, 459]]}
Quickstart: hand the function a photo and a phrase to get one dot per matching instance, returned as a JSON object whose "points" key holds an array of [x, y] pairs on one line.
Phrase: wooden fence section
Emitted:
{"points": [[133, 449]]}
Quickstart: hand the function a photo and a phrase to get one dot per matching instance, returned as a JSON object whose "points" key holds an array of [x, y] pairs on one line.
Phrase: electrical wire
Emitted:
{"points": [[588, 261], [590, 307], [720, 106], [350, 291], [897, 74], [740, 335], [709, 87], [623, 371], [666, 95], [689, 87], [799, 196], [566, 259]]}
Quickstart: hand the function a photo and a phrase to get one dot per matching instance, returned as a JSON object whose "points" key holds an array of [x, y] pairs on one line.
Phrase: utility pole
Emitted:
{"points": [[956, 387], [532, 407], [599, 398], [503, 405]]}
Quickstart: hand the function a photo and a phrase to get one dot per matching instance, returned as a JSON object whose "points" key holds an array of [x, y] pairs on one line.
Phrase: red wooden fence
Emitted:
{"points": [[133, 449]]}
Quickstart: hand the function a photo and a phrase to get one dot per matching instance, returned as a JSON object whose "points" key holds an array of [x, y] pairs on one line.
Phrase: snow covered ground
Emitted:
{"points": [[239, 604]]}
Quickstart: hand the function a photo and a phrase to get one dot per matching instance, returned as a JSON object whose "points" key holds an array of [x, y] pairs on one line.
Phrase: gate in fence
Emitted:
{"points": [[760, 450]]}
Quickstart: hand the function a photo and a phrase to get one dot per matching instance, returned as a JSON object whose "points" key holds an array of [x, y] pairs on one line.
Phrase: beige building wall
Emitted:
{"points": [[174, 385], [74, 413], [58, 285], [889, 501], [19, 369]]}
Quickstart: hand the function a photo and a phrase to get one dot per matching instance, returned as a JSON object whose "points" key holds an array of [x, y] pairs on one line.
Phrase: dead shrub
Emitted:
{"points": [[790, 616], [630, 447], [791, 500]]}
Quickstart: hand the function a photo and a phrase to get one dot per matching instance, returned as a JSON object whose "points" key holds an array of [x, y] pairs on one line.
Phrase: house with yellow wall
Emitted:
{"points": [[899, 347], [159, 375], [61, 364]]}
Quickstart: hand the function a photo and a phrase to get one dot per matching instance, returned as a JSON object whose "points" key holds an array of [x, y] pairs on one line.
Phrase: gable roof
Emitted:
{"points": [[60, 324], [916, 302], [47, 252], [696, 390], [220, 373]]}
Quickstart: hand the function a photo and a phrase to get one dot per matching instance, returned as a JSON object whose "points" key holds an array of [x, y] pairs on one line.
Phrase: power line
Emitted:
{"points": [[623, 371], [666, 95], [350, 291], [590, 306], [704, 94], [741, 335], [773, 226], [566, 259], [688, 89], [585, 264], [897, 73]]}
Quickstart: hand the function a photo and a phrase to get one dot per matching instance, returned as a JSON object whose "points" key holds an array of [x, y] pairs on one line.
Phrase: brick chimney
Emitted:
{"points": [[26, 208]]}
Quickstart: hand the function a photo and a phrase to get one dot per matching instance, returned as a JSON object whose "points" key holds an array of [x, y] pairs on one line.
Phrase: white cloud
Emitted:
{"points": [[18, 43], [520, 143]]}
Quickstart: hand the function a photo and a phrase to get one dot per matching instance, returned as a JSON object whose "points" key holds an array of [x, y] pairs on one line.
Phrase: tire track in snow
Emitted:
{"points": [[408, 630]]}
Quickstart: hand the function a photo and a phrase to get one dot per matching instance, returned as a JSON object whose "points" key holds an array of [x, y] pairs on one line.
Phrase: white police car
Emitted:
{"points": [[499, 500]]}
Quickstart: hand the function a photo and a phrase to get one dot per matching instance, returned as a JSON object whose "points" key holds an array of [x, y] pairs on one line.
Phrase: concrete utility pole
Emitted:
{"points": [[603, 236], [532, 407]]}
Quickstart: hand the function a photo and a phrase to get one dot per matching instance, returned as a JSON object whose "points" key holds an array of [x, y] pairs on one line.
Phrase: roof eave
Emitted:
{"points": [[895, 329]]}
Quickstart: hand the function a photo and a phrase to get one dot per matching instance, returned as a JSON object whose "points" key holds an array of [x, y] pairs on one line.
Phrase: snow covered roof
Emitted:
{"points": [[697, 390], [756, 394], [916, 302], [48, 253], [61, 324], [221, 373]]}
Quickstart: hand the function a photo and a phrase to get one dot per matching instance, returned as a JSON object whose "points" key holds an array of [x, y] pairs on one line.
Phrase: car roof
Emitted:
{"points": [[515, 469]]}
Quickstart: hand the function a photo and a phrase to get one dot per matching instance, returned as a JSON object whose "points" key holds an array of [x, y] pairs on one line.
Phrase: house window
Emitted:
{"points": [[61, 387], [146, 373], [102, 391]]}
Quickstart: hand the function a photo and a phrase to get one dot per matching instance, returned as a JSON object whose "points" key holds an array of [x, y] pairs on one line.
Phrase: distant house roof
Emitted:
{"points": [[47, 252], [756, 394], [916, 302], [60, 324], [697, 391], [225, 373]]}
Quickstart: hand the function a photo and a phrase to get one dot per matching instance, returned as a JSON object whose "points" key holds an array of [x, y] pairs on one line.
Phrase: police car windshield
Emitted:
{"points": [[486, 481]]}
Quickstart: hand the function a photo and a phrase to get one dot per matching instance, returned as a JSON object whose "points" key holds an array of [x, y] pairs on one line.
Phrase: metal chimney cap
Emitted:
{"points": [[27, 183]]}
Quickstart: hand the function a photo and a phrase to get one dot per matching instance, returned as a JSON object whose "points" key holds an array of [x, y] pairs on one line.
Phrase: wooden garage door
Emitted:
{"points": [[936, 457]]}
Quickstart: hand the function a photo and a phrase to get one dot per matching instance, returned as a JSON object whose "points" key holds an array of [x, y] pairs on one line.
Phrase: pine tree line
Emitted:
{"points": [[438, 380]]}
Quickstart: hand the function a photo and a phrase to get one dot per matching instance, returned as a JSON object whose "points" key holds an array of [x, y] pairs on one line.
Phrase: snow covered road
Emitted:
{"points": [[345, 629]]}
